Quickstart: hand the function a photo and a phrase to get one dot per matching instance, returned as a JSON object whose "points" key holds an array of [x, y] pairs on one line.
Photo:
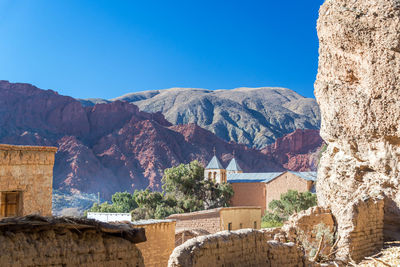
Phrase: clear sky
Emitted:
{"points": [[106, 48]]}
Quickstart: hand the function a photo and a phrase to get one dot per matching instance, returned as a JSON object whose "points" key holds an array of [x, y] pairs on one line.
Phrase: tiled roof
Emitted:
{"points": [[214, 164], [252, 177], [233, 166]]}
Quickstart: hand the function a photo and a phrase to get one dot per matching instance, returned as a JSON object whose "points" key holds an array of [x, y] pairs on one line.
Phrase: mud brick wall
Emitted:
{"points": [[28, 170], [207, 220], [160, 242], [367, 236], [245, 247], [63, 247]]}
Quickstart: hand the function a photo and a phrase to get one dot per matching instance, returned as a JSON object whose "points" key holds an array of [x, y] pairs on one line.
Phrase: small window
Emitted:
{"points": [[229, 226], [10, 204], [241, 226], [255, 225]]}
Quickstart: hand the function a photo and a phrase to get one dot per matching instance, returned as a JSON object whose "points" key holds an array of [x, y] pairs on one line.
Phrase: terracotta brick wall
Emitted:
{"points": [[236, 248], [283, 183], [249, 194], [28, 170], [160, 242], [207, 220]]}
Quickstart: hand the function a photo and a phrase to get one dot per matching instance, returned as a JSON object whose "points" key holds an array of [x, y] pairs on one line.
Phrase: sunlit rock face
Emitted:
{"points": [[357, 88]]}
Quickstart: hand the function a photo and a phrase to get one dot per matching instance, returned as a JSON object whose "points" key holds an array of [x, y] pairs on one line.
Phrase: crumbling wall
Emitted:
{"points": [[244, 247], [46, 241], [357, 88]]}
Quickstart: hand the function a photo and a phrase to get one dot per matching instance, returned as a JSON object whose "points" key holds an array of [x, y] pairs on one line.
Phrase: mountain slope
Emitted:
{"points": [[112, 147], [252, 116]]}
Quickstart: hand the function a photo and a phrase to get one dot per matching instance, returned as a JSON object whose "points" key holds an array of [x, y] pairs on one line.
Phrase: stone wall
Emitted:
{"points": [[45, 241], [28, 170], [160, 235], [237, 248], [208, 220], [357, 88]]}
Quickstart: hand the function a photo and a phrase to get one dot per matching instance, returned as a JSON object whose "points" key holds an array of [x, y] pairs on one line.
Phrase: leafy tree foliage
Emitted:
{"points": [[122, 202], [289, 203], [184, 190]]}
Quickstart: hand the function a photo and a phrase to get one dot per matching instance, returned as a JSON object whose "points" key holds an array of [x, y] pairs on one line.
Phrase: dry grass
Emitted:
{"points": [[389, 256]]}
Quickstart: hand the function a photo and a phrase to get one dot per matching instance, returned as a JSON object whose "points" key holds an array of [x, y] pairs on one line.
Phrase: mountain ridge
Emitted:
{"points": [[255, 116]]}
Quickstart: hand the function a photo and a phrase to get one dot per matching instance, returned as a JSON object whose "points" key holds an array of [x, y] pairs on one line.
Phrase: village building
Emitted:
{"points": [[259, 189], [26, 180], [160, 236], [219, 219]]}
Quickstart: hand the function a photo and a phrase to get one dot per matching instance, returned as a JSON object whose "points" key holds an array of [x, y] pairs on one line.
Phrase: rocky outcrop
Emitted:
{"points": [[297, 151], [48, 241], [252, 116], [357, 88]]}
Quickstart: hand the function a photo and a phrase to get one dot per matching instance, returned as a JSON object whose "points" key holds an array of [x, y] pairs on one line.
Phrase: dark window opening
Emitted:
{"points": [[10, 204], [229, 226]]}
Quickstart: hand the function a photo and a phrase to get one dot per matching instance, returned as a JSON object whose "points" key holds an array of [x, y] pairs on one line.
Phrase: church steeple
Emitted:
{"points": [[233, 167], [215, 171]]}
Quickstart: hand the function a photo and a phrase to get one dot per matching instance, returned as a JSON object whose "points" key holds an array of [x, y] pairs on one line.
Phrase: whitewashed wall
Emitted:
{"points": [[109, 217]]}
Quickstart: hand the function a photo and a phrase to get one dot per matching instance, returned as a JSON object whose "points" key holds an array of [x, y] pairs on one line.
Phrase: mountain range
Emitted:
{"points": [[114, 146], [252, 116]]}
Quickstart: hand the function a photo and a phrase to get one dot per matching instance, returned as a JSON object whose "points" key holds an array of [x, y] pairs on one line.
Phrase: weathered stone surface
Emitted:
{"points": [[49, 241], [357, 88], [245, 247]]}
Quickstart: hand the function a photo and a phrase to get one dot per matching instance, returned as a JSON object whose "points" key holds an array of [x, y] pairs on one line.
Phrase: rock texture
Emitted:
{"points": [[47, 241], [245, 247], [252, 116], [297, 151], [112, 147], [357, 88]]}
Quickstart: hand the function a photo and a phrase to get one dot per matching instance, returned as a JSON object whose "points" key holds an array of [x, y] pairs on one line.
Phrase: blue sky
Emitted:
{"points": [[106, 48]]}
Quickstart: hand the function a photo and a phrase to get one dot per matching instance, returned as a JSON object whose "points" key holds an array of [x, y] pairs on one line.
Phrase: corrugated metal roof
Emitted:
{"points": [[266, 177], [214, 164], [233, 166], [252, 177], [309, 176]]}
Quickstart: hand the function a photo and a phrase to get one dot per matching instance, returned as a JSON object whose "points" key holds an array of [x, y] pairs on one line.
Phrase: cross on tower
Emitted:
{"points": [[214, 151]]}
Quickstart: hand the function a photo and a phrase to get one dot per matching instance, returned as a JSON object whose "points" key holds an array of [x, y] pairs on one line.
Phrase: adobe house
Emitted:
{"points": [[219, 219], [259, 189], [26, 180]]}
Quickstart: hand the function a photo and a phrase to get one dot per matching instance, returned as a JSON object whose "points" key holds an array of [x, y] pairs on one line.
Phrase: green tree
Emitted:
{"points": [[288, 204], [122, 202], [192, 192], [184, 190]]}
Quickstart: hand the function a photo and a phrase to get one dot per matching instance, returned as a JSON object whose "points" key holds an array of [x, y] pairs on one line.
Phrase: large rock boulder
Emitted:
{"points": [[357, 89]]}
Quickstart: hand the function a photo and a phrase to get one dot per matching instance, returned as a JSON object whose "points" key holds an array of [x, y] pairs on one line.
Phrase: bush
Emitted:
{"points": [[288, 204]]}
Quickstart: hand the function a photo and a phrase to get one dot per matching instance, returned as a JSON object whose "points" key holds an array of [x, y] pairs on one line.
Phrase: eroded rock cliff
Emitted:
{"points": [[357, 89]]}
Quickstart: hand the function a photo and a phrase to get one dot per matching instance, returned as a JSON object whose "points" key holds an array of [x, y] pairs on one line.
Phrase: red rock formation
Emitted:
{"points": [[297, 151], [115, 147]]}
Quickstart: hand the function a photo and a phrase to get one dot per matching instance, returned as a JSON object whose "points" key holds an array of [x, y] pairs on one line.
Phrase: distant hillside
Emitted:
{"points": [[252, 116], [114, 147]]}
